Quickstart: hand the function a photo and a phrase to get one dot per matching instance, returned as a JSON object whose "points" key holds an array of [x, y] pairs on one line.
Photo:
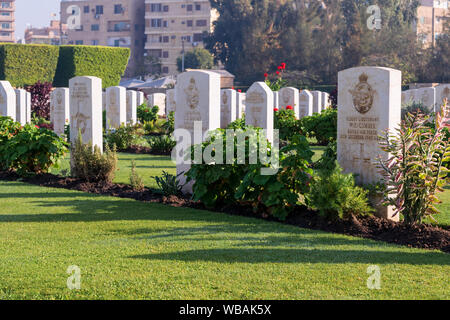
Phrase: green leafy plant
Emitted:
{"points": [[89, 164], [169, 184], [169, 125], [335, 196], [415, 172], [238, 123], [286, 123], [123, 137], [328, 159], [147, 114], [277, 81], [161, 144], [136, 181], [30, 149], [322, 126], [414, 107]]}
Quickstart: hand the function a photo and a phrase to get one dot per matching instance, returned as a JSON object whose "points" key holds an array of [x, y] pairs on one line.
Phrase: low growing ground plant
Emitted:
{"points": [[169, 184], [161, 144], [123, 137], [147, 114], [136, 181], [415, 171]]}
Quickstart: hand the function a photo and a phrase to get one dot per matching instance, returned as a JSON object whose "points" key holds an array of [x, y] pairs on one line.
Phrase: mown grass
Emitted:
{"points": [[133, 250]]}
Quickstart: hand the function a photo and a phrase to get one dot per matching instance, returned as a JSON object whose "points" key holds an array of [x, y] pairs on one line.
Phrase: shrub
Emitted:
{"points": [[123, 137], [169, 184], [8, 129], [147, 114], [31, 150], [328, 159], [40, 99], [238, 123], [106, 63], [287, 124], [414, 173], [91, 165], [335, 195], [197, 58], [322, 126], [24, 65], [169, 125], [162, 144], [414, 107], [136, 181]]}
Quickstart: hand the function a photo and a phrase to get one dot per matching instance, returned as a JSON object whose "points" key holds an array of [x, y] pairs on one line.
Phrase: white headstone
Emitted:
{"points": [[428, 97], [140, 98], [104, 101], [158, 99], [442, 93], [317, 101], [227, 107], [21, 106], [198, 100], [259, 108], [369, 102], [276, 99], [7, 100], [86, 110], [59, 109], [28, 107], [240, 107], [171, 100], [414, 95], [305, 103], [116, 107], [132, 107], [325, 100], [289, 96]]}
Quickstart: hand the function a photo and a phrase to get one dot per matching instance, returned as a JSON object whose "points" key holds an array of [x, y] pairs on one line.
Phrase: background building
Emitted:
{"points": [[431, 15], [171, 25], [7, 20], [117, 23], [47, 35]]}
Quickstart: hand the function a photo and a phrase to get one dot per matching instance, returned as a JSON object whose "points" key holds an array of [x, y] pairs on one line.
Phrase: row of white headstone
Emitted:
{"points": [[430, 97], [15, 103]]}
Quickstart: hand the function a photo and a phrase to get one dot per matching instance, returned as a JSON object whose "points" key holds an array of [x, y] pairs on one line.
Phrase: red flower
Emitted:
{"points": [[280, 68], [266, 75], [232, 88], [239, 90], [278, 72], [37, 127], [283, 65], [275, 109], [289, 108]]}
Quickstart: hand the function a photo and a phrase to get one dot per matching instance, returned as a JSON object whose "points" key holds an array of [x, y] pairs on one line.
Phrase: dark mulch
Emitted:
{"points": [[417, 236]]}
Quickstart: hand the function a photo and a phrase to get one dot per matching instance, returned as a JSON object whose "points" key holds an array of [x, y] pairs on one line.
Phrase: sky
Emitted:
{"points": [[34, 12]]}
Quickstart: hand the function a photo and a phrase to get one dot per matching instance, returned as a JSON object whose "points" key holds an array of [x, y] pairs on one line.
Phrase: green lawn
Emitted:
{"points": [[129, 249]]}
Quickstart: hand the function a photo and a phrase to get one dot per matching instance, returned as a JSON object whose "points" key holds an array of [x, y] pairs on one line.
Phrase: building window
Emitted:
{"points": [[79, 42], [95, 27], [166, 8], [86, 9], [155, 53], [200, 23], [165, 70], [6, 5], [189, 7], [189, 23], [7, 14], [156, 23], [165, 24], [118, 9], [5, 26], [186, 38], [156, 7], [198, 7], [94, 42], [198, 37], [165, 39], [98, 9], [165, 54]]}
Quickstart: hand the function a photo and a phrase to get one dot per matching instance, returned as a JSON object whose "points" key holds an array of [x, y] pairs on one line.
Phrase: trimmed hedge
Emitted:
{"points": [[107, 63], [24, 65]]}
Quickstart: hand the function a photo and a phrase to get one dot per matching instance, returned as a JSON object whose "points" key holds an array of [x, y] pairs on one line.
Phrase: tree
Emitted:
{"points": [[198, 58]]}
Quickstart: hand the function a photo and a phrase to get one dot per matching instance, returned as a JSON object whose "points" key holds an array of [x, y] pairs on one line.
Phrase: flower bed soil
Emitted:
{"points": [[417, 236]]}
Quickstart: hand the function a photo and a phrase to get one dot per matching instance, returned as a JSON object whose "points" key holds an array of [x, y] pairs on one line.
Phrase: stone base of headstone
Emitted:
{"points": [[382, 211]]}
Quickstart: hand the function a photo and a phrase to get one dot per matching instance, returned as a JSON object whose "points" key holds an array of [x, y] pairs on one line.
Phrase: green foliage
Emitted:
{"points": [[147, 114], [106, 63], [169, 184], [322, 126], [136, 181], [90, 164], [29, 149], [238, 123], [276, 193], [169, 125], [328, 159], [287, 124], [24, 65], [414, 107], [123, 137], [161, 144], [334, 195], [415, 171], [197, 58]]}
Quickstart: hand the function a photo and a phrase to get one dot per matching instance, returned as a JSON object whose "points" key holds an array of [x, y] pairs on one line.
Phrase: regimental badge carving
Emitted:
{"points": [[59, 97], [192, 94], [286, 97], [362, 95], [254, 97], [224, 98]]}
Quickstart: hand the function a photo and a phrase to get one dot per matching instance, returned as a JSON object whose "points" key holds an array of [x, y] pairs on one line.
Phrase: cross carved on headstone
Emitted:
{"points": [[360, 162]]}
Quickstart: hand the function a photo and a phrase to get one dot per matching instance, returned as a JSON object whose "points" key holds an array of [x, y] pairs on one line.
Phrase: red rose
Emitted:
{"points": [[37, 127], [275, 109], [283, 65], [239, 90], [280, 68], [266, 75], [289, 108], [278, 72]]}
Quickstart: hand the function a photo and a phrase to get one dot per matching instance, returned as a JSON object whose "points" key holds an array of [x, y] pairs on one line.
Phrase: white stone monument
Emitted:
{"points": [[276, 99], [325, 100], [289, 96], [171, 100], [227, 107], [240, 106], [7, 100], [317, 101], [259, 108], [428, 97], [21, 106], [104, 101], [59, 109], [158, 99], [442, 93], [28, 107], [132, 107], [305, 104], [140, 98], [369, 102], [198, 100], [86, 110], [116, 107]]}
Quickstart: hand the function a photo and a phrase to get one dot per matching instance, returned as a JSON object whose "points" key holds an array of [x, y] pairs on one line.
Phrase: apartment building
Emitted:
{"points": [[431, 15], [54, 34], [174, 25], [7, 20], [117, 23]]}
